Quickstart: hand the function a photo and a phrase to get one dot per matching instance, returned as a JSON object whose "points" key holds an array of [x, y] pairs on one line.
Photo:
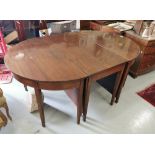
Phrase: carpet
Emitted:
{"points": [[148, 94]]}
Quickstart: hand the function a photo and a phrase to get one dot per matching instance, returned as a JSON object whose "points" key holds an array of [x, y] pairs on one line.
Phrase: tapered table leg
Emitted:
{"points": [[86, 94], [116, 86], [124, 77], [40, 105], [80, 101], [25, 86]]}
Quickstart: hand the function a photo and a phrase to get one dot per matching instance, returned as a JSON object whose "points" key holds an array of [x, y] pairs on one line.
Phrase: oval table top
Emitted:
{"points": [[69, 56]]}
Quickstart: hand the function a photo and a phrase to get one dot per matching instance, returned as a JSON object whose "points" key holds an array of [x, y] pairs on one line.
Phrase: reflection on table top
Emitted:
{"points": [[69, 56]]}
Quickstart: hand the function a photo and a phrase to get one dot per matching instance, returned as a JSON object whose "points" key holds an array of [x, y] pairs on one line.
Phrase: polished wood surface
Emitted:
{"points": [[145, 62], [77, 54], [102, 26], [66, 60]]}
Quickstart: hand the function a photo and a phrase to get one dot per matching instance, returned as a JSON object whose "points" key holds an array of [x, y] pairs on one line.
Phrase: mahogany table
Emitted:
{"points": [[71, 61]]}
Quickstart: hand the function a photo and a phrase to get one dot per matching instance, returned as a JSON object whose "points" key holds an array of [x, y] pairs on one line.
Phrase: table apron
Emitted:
{"points": [[49, 85], [107, 72]]}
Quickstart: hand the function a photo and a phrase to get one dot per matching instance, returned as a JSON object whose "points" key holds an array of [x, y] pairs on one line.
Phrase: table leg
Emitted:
{"points": [[80, 101], [124, 77], [87, 85], [40, 105], [25, 86], [116, 86]]}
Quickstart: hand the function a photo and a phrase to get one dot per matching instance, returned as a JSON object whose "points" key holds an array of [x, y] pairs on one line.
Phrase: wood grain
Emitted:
{"points": [[65, 61]]}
